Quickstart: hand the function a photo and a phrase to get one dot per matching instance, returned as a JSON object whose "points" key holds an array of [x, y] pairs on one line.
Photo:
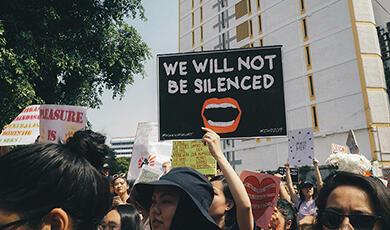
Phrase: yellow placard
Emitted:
{"points": [[193, 154]]}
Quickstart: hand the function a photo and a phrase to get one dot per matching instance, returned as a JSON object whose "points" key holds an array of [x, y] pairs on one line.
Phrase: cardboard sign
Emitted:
{"points": [[301, 147], [147, 150], [59, 122], [236, 93], [339, 148], [352, 143], [51, 123], [263, 191], [193, 154], [23, 130]]}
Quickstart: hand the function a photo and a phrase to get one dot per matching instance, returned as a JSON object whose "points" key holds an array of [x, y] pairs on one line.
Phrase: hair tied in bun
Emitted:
{"points": [[91, 145]]}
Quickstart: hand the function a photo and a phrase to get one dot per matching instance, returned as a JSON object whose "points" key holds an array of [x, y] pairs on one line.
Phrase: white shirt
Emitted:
{"points": [[306, 208]]}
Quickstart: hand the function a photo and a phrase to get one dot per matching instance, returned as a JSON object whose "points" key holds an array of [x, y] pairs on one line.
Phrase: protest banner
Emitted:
{"points": [[263, 191], [301, 147], [59, 122], [51, 123], [193, 154], [294, 172], [352, 143], [147, 150], [23, 130], [217, 90], [339, 149]]}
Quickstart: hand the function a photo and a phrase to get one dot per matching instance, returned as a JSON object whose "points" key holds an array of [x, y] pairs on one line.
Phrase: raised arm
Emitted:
{"points": [[318, 175], [283, 192], [243, 205], [294, 197]]}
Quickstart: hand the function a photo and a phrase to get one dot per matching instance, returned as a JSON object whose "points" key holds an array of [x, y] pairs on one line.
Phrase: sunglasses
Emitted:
{"points": [[121, 175], [332, 219]]}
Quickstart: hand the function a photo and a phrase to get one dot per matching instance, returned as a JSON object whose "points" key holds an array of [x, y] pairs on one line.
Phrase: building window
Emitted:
{"points": [[192, 19], [314, 117], [304, 28], [250, 29], [249, 7], [242, 31], [241, 8], [251, 45], [311, 87], [308, 58], [261, 42], [258, 5], [223, 20], [193, 39], [201, 14], [201, 34], [260, 24], [192, 4], [302, 3], [223, 41]]}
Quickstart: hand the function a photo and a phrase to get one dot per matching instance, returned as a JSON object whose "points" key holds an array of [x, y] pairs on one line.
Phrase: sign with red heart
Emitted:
{"points": [[263, 190]]}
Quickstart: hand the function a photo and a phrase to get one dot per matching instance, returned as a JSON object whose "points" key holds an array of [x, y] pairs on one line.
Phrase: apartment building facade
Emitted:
{"points": [[332, 67]]}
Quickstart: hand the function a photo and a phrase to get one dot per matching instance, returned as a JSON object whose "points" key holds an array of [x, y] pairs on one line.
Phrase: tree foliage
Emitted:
{"points": [[67, 52]]}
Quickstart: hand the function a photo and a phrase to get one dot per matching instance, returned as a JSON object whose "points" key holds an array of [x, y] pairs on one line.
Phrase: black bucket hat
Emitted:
{"points": [[194, 186], [306, 184]]}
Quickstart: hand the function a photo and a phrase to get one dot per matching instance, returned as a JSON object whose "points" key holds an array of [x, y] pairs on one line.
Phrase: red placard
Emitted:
{"points": [[263, 190]]}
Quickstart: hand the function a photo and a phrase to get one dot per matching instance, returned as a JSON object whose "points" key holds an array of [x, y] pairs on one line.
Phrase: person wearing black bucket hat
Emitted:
{"points": [[305, 202], [180, 199]]}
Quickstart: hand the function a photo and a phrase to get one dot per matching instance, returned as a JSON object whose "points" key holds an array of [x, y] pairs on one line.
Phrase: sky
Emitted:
{"points": [[119, 118]]}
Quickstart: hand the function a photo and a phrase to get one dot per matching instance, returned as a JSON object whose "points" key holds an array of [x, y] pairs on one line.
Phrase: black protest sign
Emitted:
{"points": [[236, 93], [293, 172]]}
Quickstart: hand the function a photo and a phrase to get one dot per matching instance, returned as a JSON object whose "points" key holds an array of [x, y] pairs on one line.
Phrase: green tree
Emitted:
{"points": [[67, 52]]}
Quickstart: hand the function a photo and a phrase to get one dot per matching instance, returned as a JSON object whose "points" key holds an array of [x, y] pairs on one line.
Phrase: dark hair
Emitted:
{"points": [[288, 211], [39, 177], [302, 196], [377, 192], [230, 216], [130, 218]]}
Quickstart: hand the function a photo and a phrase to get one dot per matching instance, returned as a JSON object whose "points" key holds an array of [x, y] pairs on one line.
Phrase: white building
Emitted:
{"points": [[333, 72], [122, 146]]}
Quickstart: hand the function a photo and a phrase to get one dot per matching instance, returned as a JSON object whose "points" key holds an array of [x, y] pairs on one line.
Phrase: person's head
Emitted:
{"points": [[166, 167], [286, 215], [122, 217], [55, 185], [306, 190], [223, 202], [178, 200], [106, 170], [353, 201], [120, 184]]}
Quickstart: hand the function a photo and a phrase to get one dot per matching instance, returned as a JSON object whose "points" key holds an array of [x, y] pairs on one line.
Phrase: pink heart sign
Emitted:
{"points": [[263, 190]]}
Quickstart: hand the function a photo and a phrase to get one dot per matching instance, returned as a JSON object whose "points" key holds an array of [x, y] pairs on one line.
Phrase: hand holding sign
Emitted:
{"points": [[263, 190], [236, 187], [213, 141]]}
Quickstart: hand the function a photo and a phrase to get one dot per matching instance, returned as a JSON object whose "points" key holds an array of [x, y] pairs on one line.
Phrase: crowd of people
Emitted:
{"points": [[67, 186]]}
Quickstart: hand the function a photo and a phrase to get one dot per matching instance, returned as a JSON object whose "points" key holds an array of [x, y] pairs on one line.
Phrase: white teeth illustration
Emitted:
{"points": [[222, 105], [220, 123]]}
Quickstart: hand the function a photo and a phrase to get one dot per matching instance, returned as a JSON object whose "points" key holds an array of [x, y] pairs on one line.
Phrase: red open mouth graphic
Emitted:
{"points": [[221, 114]]}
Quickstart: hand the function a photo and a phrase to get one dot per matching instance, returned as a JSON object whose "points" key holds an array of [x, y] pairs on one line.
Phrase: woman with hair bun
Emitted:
{"points": [[55, 186]]}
